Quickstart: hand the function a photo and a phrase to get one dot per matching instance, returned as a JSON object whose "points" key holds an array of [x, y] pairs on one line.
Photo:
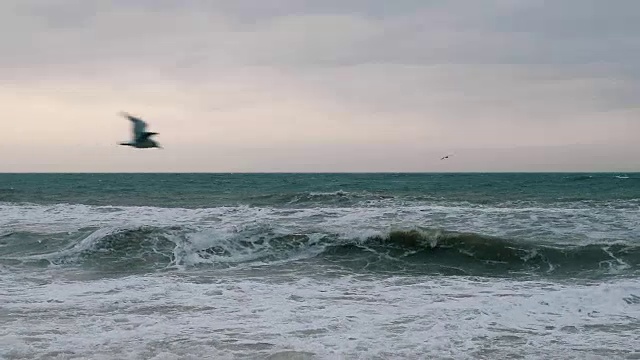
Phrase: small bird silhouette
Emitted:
{"points": [[141, 137]]}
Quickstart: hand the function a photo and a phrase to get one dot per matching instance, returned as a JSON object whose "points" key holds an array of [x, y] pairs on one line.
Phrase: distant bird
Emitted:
{"points": [[445, 157], [141, 137]]}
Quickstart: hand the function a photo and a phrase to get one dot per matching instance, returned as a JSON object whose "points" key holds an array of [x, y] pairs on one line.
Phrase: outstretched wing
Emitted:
{"points": [[139, 127]]}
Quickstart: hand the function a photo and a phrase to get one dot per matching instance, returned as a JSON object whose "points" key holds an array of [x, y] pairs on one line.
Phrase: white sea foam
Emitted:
{"points": [[180, 316], [61, 312], [569, 225]]}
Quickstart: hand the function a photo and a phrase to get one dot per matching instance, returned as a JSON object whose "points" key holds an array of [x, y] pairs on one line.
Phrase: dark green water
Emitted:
{"points": [[564, 225], [319, 266], [207, 190]]}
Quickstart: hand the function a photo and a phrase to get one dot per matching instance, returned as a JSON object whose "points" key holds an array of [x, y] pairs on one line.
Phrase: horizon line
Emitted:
{"points": [[313, 172]]}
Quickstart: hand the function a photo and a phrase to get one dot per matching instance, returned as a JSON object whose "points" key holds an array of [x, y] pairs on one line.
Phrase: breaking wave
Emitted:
{"points": [[311, 198], [403, 251]]}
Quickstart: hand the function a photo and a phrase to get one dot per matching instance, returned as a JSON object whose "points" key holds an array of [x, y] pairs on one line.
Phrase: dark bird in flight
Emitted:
{"points": [[141, 137]]}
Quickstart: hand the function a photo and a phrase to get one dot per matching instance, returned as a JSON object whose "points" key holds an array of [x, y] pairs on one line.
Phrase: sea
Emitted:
{"points": [[320, 266]]}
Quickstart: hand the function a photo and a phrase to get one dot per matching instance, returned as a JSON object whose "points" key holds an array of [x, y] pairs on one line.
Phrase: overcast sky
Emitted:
{"points": [[331, 85]]}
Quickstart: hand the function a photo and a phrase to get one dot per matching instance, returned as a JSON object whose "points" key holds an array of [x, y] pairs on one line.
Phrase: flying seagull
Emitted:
{"points": [[141, 137]]}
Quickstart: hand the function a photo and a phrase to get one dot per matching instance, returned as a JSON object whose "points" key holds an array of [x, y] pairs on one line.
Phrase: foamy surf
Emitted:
{"points": [[325, 266], [226, 317], [416, 251]]}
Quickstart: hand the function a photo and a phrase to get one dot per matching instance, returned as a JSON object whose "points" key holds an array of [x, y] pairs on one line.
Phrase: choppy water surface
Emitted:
{"points": [[319, 266]]}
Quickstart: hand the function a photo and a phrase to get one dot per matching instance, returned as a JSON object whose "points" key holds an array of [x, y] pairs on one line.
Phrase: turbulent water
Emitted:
{"points": [[320, 266]]}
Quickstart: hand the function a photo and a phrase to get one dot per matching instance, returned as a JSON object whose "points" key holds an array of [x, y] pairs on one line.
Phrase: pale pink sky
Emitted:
{"points": [[301, 85]]}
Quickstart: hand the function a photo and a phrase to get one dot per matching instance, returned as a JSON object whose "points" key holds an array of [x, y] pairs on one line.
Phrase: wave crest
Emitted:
{"points": [[471, 252], [403, 251]]}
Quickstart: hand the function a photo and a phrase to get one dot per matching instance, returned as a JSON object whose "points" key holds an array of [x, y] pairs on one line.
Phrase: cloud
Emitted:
{"points": [[302, 74]]}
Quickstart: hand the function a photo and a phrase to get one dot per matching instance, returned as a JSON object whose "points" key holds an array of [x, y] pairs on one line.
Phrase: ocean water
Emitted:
{"points": [[320, 266]]}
